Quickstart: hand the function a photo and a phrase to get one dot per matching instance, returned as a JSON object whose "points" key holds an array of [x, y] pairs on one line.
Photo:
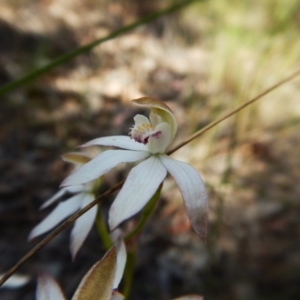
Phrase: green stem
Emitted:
{"points": [[102, 229], [70, 55], [129, 271]]}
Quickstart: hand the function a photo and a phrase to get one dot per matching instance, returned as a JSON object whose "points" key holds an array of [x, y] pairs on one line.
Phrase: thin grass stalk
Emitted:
{"points": [[74, 53], [226, 116]]}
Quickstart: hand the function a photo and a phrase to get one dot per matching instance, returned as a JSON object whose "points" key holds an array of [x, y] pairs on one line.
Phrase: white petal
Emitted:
{"points": [[116, 296], [155, 119], [101, 164], [158, 108], [48, 289], [82, 225], [193, 192], [121, 256], [61, 192], [15, 281], [77, 158], [140, 119], [55, 197], [61, 211], [74, 189], [159, 143], [140, 185], [121, 141]]}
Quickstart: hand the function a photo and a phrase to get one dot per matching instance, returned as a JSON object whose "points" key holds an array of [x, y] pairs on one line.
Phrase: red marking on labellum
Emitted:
{"points": [[156, 134]]}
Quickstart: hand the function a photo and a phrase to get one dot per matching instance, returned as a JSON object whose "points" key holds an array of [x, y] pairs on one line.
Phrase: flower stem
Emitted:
{"points": [[129, 270], [102, 229]]}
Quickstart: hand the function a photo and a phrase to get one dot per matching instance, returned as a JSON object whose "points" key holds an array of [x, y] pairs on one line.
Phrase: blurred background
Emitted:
{"points": [[204, 61]]}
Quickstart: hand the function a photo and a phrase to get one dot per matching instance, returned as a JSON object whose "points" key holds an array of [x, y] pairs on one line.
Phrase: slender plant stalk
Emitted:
{"points": [[119, 185], [72, 54], [129, 270], [102, 229], [212, 124]]}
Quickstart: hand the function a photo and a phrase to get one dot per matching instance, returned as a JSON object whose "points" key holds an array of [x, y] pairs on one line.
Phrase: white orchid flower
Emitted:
{"points": [[149, 139], [83, 195], [100, 283]]}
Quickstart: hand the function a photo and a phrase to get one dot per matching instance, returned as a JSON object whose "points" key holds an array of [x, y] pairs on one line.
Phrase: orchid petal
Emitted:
{"points": [[82, 225], [155, 119], [103, 163], [69, 189], [159, 108], [117, 296], [74, 189], [14, 281], [140, 119], [55, 197], [76, 158], [121, 256], [48, 289], [160, 140], [140, 185], [192, 190], [98, 282], [61, 211], [121, 141]]}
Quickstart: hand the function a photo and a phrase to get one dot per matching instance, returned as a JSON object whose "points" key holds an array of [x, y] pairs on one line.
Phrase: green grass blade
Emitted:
{"points": [[85, 48]]}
